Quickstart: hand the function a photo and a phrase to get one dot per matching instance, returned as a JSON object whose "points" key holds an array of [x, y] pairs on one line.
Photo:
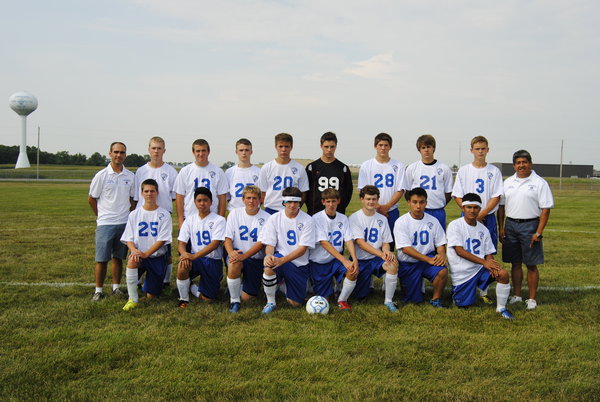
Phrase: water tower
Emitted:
{"points": [[23, 103]]}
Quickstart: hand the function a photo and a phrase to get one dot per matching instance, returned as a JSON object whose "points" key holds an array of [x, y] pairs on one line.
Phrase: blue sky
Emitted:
{"points": [[522, 73]]}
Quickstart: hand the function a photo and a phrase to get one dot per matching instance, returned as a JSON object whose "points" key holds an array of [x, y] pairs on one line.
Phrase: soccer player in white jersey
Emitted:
{"points": [[206, 231], [201, 173], [433, 176], [287, 237], [111, 199], [148, 232], [373, 236], [470, 254], [241, 175], [244, 250], [421, 247], [327, 262], [282, 172], [165, 176], [485, 180], [387, 175]]}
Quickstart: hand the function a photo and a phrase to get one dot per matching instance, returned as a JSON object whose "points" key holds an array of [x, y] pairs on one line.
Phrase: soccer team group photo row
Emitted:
{"points": [[322, 251]]}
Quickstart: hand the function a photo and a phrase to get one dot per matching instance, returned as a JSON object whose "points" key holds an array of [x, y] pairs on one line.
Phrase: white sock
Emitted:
{"points": [[347, 289], [168, 274], [337, 286], [483, 292], [269, 285], [194, 289], [502, 293], [235, 289], [391, 281], [184, 289], [423, 286], [115, 286], [131, 277], [99, 290], [282, 287]]}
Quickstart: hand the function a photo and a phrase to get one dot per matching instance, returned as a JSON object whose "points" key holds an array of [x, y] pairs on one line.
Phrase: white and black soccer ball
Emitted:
{"points": [[317, 305]]}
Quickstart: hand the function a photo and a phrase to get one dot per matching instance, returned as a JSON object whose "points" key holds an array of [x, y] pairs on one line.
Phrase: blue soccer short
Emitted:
{"points": [[392, 217], [108, 243], [366, 268], [411, 276], [439, 214], [155, 269], [323, 274], [295, 279], [464, 294], [210, 271], [252, 272], [270, 211]]}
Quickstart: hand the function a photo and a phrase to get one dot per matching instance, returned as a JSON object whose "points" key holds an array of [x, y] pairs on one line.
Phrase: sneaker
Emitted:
{"points": [[531, 304], [437, 303], [515, 299], [393, 307], [504, 313], [130, 305], [486, 299], [269, 307], [234, 307], [98, 296], [182, 303], [118, 292], [344, 305]]}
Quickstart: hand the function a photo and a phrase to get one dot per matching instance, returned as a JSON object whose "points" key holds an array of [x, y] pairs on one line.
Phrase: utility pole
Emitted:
{"points": [[561, 165]]}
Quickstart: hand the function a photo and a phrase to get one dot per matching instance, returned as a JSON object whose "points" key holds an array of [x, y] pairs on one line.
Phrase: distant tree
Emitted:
{"points": [[454, 168], [227, 165], [135, 160], [97, 160]]}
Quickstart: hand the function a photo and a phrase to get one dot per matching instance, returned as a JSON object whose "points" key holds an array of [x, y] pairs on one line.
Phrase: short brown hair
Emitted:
{"points": [[330, 193], [425, 139], [201, 142], [251, 189], [479, 138], [383, 137], [329, 136], [243, 141], [291, 192], [368, 190], [115, 143], [284, 137], [157, 140]]}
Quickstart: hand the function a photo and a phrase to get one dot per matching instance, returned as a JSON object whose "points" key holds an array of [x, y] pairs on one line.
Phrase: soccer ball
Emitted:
{"points": [[317, 305]]}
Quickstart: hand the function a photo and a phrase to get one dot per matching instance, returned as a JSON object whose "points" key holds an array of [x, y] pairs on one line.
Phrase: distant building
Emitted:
{"points": [[549, 170]]}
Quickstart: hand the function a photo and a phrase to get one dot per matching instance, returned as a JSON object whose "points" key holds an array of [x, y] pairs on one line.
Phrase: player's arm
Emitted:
{"points": [[336, 254], [458, 201], [153, 248], [132, 203], [134, 253], [488, 262], [179, 207], [298, 252], [491, 204], [545, 215], [437, 260], [383, 209], [222, 204], [448, 197], [352, 251], [231, 252], [501, 216], [362, 243], [258, 246], [348, 189], [263, 194], [93, 204], [212, 246]]}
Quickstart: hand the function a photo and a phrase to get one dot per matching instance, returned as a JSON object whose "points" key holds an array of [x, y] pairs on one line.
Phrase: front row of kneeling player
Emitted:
{"points": [[287, 248]]}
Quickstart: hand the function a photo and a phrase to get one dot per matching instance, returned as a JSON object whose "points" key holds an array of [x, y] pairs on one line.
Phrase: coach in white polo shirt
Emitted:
{"points": [[111, 198], [526, 205]]}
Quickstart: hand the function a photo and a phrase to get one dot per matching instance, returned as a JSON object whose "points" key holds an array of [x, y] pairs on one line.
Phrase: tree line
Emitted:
{"points": [[9, 154]]}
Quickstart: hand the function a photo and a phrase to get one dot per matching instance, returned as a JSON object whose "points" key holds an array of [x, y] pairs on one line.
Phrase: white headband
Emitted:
{"points": [[472, 203], [291, 199]]}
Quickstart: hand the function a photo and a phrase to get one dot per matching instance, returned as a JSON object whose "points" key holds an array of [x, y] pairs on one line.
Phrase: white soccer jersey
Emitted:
{"points": [[387, 177], [336, 231], [525, 198], [286, 234], [202, 232], [238, 178], [112, 191], [165, 176], [374, 229], [193, 176], [274, 177], [144, 228], [424, 235], [485, 181], [435, 179], [474, 239], [244, 230]]}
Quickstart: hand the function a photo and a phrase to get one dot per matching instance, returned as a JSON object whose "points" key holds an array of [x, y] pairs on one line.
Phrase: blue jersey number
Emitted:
{"points": [[425, 182], [203, 238], [474, 243], [371, 235], [335, 238], [421, 237], [244, 235], [381, 181], [239, 188], [144, 226], [480, 186], [291, 235], [201, 183], [279, 183]]}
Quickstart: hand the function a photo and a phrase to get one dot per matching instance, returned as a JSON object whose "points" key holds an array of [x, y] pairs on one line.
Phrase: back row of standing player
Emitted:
{"points": [[387, 175]]}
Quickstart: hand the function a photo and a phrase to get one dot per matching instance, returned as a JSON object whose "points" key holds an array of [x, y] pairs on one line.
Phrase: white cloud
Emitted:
{"points": [[379, 66]]}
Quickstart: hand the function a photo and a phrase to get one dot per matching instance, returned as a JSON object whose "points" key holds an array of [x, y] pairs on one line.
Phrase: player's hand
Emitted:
{"points": [[185, 264], [438, 260], [350, 266], [389, 256], [492, 266], [534, 239], [234, 256], [185, 256], [501, 235], [270, 261], [383, 210], [481, 217]]}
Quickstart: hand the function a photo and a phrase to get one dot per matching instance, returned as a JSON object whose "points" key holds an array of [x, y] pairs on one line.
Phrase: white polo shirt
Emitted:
{"points": [[524, 198], [112, 191]]}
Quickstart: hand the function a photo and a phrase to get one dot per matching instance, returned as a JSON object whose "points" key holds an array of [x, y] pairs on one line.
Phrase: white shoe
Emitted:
{"points": [[515, 299], [531, 304]]}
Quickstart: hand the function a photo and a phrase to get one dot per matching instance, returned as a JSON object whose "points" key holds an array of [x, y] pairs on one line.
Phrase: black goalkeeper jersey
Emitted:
{"points": [[323, 175]]}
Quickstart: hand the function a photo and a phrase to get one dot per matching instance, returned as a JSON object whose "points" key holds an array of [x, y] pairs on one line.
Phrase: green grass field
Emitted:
{"points": [[56, 344]]}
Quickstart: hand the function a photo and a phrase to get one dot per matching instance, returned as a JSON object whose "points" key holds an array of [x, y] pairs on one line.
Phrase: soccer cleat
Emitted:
{"points": [[393, 307], [182, 303], [504, 313], [486, 299], [515, 299], [234, 307], [130, 305], [344, 305], [437, 303], [118, 292], [269, 307], [531, 304], [98, 296]]}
